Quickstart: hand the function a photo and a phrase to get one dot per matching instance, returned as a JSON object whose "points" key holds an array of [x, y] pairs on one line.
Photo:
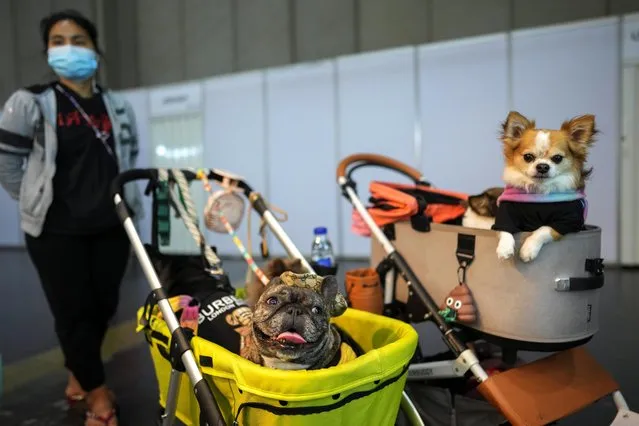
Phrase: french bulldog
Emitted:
{"points": [[291, 327]]}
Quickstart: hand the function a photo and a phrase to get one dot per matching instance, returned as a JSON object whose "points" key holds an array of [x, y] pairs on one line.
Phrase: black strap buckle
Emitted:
{"points": [[420, 221], [595, 266], [465, 255]]}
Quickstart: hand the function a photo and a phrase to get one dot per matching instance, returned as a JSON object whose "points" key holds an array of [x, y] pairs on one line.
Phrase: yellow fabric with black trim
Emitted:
{"points": [[346, 353], [359, 391]]}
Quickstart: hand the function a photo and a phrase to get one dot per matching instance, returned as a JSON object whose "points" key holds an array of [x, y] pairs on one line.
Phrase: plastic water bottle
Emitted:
{"points": [[322, 249]]}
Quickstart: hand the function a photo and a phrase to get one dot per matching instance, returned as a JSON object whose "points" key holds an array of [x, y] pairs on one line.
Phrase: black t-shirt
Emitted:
{"points": [[84, 168], [225, 320], [564, 217]]}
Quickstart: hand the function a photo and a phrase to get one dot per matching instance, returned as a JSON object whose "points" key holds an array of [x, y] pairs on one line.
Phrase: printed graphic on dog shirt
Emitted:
{"points": [[212, 310], [240, 319], [223, 320]]}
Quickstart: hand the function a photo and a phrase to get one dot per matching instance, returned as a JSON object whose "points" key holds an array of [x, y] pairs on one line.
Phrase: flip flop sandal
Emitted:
{"points": [[74, 401], [105, 420]]}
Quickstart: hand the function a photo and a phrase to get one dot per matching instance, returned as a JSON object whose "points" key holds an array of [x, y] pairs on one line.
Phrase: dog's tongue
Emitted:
{"points": [[291, 337]]}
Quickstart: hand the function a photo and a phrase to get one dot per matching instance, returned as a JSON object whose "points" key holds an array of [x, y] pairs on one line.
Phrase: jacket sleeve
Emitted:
{"points": [[17, 127]]}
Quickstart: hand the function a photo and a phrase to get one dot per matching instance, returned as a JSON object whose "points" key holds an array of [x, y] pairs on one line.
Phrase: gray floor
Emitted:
{"points": [[26, 331]]}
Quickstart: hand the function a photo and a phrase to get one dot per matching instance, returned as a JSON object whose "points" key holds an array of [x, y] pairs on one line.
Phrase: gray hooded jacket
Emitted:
{"points": [[28, 148]]}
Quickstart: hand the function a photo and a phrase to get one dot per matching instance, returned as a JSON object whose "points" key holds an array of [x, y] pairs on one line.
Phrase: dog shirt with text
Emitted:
{"points": [[520, 211]]}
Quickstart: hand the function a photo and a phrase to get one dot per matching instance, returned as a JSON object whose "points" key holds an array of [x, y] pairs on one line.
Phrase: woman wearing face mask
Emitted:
{"points": [[73, 138]]}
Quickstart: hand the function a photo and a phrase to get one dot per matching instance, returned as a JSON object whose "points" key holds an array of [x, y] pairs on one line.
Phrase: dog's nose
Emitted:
{"points": [[294, 310], [543, 168]]}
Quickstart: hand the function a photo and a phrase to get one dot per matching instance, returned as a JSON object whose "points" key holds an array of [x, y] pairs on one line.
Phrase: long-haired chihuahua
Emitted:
{"points": [[545, 174]]}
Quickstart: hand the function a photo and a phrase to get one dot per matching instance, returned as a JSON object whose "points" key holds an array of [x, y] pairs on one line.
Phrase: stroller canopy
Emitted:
{"points": [[394, 202]]}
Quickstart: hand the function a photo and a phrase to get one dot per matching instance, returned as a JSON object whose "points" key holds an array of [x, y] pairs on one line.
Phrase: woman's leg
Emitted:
{"points": [[108, 259], [62, 265]]}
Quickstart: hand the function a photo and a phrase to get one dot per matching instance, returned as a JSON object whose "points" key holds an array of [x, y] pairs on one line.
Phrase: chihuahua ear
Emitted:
{"points": [[514, 127], [581, 130], [329, 288]]}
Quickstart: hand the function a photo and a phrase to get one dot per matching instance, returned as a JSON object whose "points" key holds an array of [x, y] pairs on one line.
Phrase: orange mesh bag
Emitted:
{"points": [[364, 290]]}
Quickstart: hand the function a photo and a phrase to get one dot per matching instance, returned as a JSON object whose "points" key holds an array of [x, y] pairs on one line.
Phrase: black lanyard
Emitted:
{"points": [[102, 136]]}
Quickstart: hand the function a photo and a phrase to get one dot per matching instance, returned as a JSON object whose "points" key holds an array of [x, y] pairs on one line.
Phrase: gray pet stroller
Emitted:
{"points": [[552, 306], [229, 390]]}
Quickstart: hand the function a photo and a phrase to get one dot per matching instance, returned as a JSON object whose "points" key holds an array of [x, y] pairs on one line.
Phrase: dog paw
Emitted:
{"points": [[506, 246], [529, 250]]}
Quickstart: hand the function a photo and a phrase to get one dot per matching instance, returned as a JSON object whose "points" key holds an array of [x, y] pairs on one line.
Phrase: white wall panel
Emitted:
{"points": [[564, 71], [234, 141], [463, 94], [302, 149], [377, 114], [177, 141], [139, 100], [630, 38]]}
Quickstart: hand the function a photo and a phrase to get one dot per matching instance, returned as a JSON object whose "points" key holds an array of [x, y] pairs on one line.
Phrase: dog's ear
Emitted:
{"points": [[296, 266], [485, 204], [514, 127], [581, 131], [329, 289], [478, 203], [494, 192], [275, 268]]}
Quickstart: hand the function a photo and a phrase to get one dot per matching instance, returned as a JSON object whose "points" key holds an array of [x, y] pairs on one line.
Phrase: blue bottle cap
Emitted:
{"points": [[320, 230]]}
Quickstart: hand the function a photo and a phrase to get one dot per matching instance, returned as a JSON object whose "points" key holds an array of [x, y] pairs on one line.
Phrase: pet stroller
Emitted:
{"points": [[552, 302], [226, 389]]}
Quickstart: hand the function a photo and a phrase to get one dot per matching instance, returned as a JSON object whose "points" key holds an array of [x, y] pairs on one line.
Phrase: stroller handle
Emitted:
{"points": [[378, 160], [151, 175]]}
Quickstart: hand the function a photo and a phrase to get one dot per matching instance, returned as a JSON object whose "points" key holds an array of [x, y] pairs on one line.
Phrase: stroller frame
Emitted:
{"points": [[181, 354], [465, 358]]}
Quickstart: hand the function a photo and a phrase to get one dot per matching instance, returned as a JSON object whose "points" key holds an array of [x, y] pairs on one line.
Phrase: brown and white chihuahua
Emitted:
{"points": [[545, 174]]}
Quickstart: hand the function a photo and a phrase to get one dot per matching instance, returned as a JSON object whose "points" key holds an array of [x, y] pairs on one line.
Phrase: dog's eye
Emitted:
{"points": [[529, 158], [271, 301], [316, 310], [556, 159]]}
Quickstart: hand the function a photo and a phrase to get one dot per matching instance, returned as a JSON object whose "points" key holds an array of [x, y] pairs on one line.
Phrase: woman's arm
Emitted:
{"points": [[17, 127]]}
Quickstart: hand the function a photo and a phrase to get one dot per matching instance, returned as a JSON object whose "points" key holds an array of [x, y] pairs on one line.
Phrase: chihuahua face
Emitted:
{"points": [[546, 161]]}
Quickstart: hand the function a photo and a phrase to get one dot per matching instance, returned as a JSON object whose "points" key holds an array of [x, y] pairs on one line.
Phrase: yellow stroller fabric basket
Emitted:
{"points": [[364, 391]]}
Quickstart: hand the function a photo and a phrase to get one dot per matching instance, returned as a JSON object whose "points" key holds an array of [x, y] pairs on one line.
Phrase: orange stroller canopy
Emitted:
{"points": [[395, 202]]}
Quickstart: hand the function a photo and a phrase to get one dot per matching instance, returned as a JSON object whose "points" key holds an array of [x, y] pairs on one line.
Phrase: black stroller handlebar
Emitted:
{"points": [[123, 178], [365, 159]]}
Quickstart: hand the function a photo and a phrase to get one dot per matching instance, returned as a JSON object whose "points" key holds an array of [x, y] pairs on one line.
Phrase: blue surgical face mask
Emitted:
{"points": [[73, 62]]}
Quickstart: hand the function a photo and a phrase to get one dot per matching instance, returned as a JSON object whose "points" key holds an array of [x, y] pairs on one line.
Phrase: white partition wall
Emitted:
{"points": [[177, 136], [437, 107], [629, 164], [302, 150], [463, 98], [376, 114], [234, 133], [139, 100], [563, 71]]}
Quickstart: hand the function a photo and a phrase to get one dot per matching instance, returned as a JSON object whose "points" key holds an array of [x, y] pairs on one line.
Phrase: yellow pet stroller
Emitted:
{"points": [[226, 389]]}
